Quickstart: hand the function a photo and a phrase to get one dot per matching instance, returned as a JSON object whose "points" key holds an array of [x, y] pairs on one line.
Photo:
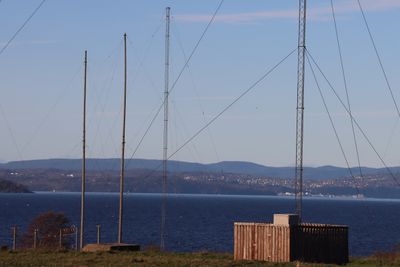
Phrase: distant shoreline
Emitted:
{"points": [[8, 187], [333, 198]]}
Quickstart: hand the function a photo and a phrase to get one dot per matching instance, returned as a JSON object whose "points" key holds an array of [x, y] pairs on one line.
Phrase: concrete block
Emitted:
{"points": [[110, 247], [286, 219]]}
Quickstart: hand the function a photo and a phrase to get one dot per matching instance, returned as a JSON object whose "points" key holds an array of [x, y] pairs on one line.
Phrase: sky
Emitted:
{"points": [[41, 74]]}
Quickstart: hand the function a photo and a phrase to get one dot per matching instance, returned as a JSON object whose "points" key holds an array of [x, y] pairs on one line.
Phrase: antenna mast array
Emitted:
{"points": [[83, 157], [300, 107], [165, 138], [121, 182]]}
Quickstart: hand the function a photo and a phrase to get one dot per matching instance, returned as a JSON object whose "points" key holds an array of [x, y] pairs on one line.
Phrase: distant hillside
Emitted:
{"points": [[10, 187], [240, 167], [147, 181]]}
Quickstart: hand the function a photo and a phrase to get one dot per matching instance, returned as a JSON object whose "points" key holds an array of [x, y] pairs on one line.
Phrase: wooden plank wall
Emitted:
{"points": [[276, 243], [259, 241]]}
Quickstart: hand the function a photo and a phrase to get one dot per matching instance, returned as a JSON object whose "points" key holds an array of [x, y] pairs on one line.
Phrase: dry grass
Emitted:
{"points": [[143, 258], [391, 258], [156, 258]]}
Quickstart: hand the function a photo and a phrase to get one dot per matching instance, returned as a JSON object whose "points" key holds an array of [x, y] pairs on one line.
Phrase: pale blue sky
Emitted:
{"points": [[41, 79]]}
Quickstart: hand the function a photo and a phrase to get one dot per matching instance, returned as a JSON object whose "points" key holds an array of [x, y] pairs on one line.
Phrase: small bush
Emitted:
{"points": [[48, 227]]}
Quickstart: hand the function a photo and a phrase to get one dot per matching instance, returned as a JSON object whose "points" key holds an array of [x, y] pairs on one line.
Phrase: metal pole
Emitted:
{"points": [[98, 233], [121, 182], [35, 238], [300, 108], [165, 136], [76, 237], [14, 237], [83, 158], [60, 239]]}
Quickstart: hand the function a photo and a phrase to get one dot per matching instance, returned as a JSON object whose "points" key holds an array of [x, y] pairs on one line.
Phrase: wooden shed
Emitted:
{"points": [[285, 241]]}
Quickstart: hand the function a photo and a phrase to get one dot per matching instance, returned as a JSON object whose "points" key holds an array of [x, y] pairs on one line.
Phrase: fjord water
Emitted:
{"points": [[203, 222]]}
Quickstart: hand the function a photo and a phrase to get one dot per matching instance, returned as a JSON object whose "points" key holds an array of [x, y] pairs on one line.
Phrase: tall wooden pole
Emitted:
{"points": [[165, 136], [121, 182], [83, 158], [98, 233], [35, 238], [300, 108]]}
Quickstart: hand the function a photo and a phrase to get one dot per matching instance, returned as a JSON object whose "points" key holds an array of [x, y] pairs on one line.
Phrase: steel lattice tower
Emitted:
{"points": [[300, 107], [165, 135]]}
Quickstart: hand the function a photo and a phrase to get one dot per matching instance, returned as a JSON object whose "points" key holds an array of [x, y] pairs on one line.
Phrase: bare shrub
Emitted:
{"points": [[48, 227]]}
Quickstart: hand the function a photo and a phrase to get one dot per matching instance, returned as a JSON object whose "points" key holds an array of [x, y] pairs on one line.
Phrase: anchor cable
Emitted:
{"points": [[22, 27], [345, 86], [179, 76], [194, 87], [330, 118], [197, 45], [14, 140], [379, 57], [251, 87], [354, 120]]}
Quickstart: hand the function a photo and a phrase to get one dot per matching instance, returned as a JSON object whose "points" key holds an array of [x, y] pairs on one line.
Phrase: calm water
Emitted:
{"points": [[203, 222]]}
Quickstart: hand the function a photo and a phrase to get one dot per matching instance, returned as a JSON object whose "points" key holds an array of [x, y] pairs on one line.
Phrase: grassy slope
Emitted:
{"points": [[31, 258]]}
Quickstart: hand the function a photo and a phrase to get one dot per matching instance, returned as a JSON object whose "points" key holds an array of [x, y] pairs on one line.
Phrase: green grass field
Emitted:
{"points": [[154, 258]]}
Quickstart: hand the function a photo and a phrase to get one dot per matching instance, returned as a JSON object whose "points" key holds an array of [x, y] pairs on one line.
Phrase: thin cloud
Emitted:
{"points": [[314, 13]]}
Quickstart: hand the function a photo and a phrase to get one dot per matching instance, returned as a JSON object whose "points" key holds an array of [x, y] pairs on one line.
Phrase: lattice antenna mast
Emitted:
{"points": [[121, 182], [165, 136], [81, 243], [300, 107]]}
